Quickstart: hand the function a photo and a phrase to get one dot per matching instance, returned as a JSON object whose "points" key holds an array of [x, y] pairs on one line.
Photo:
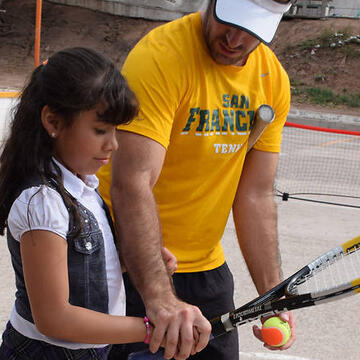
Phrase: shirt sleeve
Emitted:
{"points": [[38, 208], [153, 71]]}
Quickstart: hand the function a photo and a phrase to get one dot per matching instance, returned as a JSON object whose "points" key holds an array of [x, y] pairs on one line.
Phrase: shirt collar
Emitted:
{"points": [[74, 185]]}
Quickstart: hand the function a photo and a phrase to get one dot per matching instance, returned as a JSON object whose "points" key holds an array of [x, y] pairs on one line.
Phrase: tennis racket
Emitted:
{"points": [[263, 117], [330, 277]]}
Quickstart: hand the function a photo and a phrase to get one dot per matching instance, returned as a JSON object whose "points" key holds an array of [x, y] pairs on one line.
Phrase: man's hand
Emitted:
{"points": [[185, 329], [286, 316]]}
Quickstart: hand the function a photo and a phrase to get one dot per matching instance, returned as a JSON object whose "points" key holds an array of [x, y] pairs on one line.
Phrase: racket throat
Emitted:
{"points": [[221, 325]]}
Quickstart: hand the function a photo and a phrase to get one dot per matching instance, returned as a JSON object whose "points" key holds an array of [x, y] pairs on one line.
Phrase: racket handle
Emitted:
{"points": [[263, 117], [146, 354]]}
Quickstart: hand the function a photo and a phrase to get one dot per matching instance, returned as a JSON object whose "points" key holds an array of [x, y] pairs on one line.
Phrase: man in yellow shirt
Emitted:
{"points": [[181, 167]]}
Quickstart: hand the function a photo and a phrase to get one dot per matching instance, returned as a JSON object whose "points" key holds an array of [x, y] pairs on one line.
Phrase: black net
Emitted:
{"points": [[319, 166]]}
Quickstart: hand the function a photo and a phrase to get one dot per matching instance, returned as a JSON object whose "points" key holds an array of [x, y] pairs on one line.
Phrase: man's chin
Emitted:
{"points": [[226, 60]]}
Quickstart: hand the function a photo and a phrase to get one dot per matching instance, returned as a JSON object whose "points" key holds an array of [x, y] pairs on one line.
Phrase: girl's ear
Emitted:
{"points": [[50, 121]]}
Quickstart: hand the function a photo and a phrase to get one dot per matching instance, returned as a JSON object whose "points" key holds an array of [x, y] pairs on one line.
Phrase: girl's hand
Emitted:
{"points": [[169, 259]]}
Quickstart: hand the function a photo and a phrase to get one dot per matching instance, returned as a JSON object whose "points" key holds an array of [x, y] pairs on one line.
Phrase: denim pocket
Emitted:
{"points": [[87, 271], [87, 244]]}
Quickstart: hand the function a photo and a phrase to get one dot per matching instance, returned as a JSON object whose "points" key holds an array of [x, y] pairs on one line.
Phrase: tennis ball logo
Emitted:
{"points": [[275, 331]]}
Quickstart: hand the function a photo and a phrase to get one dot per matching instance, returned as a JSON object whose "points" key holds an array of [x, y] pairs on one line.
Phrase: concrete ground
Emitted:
{"points": [[306, 230], [327, 332]]}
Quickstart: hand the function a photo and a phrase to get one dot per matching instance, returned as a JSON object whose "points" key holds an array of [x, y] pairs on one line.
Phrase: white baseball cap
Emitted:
{"points": [[260, 18]]}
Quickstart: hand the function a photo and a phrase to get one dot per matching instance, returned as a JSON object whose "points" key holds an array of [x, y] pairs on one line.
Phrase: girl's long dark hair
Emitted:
{"points": [[72, 80]]}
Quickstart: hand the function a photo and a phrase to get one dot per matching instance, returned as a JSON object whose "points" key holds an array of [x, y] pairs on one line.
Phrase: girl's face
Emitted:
{"points": [[87, 144]]}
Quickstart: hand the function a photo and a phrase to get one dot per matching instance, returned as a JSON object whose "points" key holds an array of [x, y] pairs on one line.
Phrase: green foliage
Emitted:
{"points": [[353, 100], [326, 37], [320, 96], [351, 52], [329, 37], [308, 44], [296, 82], [325, 96], [320, 77]]}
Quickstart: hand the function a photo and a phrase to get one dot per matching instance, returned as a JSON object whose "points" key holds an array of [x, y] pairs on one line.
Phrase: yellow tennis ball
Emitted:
{"points": [[275, 331]]}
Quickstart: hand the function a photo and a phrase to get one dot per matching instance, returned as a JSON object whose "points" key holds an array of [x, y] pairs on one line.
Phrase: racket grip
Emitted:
{"points": [[146, 354]]}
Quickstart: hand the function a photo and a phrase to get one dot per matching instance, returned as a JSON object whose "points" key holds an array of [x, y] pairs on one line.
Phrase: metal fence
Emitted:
{"points": [[325, 8]]}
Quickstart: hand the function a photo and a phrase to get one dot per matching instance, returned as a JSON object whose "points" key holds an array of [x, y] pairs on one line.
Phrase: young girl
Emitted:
{"points": [[70, 298]]}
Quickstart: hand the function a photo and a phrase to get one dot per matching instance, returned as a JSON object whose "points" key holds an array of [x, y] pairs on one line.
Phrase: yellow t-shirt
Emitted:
{"points": [[201, 113]]}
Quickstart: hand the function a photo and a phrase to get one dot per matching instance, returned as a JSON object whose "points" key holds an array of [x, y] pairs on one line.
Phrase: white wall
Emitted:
{"points": [[332, 8], [346, 8], [148, 9], [173, 9], [5, 105]]}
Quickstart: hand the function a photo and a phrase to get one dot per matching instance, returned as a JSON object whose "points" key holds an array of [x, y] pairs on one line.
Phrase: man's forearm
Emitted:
{"points": [[256, 227], [139, 234]]}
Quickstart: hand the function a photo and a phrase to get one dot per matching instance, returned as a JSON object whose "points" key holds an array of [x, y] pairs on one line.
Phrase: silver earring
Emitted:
{"points": [[53, 135]]}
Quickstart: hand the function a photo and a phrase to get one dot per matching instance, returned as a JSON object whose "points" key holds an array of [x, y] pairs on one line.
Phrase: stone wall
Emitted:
{"points": [[148, 9], [325, 8], [173, 9]]}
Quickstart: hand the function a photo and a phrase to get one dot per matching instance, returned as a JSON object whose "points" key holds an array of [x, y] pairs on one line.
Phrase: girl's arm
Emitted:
{"points": [[44, 258]]}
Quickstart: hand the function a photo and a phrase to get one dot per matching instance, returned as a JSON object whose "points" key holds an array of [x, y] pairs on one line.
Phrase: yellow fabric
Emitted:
{"points": [[200, 112]]}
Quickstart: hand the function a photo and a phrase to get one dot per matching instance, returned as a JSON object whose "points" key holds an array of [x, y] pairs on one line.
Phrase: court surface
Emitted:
{"points": [[326, 332], [306, 230]]}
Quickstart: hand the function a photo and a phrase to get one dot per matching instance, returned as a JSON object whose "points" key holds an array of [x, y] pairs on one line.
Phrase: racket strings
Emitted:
{"points": [[332, 273]]}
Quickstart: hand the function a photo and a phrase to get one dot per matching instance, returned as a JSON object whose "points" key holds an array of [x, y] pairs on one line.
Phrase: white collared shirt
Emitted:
{"points": [[48, 212]]}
